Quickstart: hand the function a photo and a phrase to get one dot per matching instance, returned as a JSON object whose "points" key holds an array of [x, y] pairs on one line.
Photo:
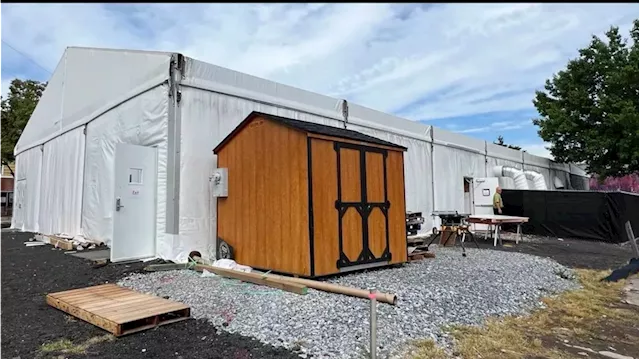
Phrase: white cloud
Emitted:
{"points": [[422, 62], [5, 86], [497, 126], [537, 149]]}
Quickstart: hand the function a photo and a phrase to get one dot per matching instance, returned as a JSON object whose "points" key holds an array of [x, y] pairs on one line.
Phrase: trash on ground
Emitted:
{"points": [[231, 264], [207, 274], [34, 244]]}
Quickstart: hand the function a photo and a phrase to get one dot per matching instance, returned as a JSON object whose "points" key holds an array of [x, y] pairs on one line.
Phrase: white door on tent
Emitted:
{"points": [[18, 203], [134, 219], [483, 191]]}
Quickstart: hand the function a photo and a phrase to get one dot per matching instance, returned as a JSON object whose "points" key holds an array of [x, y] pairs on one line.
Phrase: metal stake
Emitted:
{"points": [[372, 322]]}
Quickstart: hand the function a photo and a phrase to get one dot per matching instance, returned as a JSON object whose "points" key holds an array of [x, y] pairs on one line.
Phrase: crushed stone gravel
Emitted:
{"points": [[432, 293]]}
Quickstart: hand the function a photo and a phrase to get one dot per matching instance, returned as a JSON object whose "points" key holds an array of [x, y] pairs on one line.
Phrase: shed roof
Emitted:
{"points": [[309, 127]]}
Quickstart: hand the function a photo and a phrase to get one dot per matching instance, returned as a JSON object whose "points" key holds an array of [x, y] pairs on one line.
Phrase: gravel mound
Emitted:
{"points": [[449, 289]]}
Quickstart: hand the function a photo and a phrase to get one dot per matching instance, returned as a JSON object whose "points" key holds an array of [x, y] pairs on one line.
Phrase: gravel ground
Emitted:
{"points": [[29, 273], [449, 289]]}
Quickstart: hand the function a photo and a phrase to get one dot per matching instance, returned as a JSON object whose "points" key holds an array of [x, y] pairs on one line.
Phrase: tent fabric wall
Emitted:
{"points": [[204, 76], [86, 82], [142, 121], [386, 123], [454, 157], [214, 101], [418, 174], [562, 172], [61, 190], [26, 206], [450, 166], [207, 118]]}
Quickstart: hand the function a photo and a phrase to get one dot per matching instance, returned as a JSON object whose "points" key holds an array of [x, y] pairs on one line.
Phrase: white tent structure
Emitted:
{"points": [[71, 155]]}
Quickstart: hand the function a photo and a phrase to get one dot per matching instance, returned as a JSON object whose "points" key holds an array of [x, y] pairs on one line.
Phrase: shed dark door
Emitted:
{"points": [[362, 205]]}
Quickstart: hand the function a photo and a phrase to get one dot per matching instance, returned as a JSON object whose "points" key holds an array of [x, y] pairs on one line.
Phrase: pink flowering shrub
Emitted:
{"points": [[628, 183]]}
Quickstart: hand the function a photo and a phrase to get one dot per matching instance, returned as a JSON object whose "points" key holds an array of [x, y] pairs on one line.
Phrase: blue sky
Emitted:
{"points": [[469, 68]]}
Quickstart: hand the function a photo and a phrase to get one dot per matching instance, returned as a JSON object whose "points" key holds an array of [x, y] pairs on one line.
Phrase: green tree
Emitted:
{"points": [[589, 111], [500, 142], [17, 108]]}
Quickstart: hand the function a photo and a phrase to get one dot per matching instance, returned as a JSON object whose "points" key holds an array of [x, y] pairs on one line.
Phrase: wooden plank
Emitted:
{"points": [[86, 289], [102, 307], [159, 309], [77, 293], [118, 310], [91, 297], [83, 314], [256, 279], [147, 304], [114, 302], [346, 140], [98, 298], [60, 243]]}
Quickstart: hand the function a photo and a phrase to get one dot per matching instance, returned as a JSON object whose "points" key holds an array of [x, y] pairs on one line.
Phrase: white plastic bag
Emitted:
{"points": [[207, 274], [231, 264]]}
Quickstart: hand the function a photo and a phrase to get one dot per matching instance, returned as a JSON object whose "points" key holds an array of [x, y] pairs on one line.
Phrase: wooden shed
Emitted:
{"points": [[311, 200]]}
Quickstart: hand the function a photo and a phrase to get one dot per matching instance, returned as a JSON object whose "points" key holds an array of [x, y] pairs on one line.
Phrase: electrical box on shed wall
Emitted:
{"points": [[219, 180]]}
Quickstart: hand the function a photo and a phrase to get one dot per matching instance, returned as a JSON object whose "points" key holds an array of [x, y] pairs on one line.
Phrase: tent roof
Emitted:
{"points": [[86, 83], [308, 127]]}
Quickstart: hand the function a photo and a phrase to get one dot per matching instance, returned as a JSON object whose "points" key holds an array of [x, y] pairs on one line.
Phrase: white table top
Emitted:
{"points": [[498, 217]]}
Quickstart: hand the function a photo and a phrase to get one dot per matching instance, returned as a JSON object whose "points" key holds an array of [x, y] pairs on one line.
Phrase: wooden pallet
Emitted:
{"points": [[420, 254], [117, 309]]}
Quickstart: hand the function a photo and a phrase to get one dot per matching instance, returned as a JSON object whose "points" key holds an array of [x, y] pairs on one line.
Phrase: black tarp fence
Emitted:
{"points": [[588, 215]]}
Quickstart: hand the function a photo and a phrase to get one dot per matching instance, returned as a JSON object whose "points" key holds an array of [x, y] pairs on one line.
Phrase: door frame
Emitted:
{"points": [[155, 206], [472, 205], [363, 207]]}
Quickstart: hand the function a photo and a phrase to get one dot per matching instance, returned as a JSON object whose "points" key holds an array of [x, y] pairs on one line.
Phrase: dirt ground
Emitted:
{"points": [[569, 252], [32, 329]]}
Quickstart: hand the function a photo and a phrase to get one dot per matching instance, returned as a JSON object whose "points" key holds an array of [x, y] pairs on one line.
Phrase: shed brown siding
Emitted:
{"points": [[397, 211], [265, 215]]}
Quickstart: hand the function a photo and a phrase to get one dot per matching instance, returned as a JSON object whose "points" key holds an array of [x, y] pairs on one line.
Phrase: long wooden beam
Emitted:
{"points": [[256, 278]]}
